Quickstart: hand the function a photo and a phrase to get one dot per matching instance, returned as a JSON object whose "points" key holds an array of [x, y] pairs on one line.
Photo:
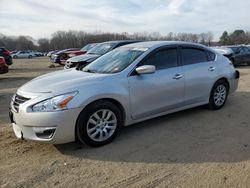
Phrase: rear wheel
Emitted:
{"points": [[98, 124], [29, 56], [218, 95]]}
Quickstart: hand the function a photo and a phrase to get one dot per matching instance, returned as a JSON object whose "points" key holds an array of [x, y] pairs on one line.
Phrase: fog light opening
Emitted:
{"points": [[44, 132]]}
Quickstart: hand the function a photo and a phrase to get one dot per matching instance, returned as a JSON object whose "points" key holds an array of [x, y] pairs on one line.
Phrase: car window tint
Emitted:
{"points": [[193, 55], [163, 59]]}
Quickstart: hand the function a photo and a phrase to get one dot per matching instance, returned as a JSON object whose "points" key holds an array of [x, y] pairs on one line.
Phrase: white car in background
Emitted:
{"points": [[23, 54]]}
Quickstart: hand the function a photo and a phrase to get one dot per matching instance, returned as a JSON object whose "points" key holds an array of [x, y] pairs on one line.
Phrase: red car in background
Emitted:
{"points": [[6, 55], [83, 50], [3, 66]]}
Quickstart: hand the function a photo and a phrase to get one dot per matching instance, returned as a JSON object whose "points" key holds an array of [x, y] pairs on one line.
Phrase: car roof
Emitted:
{"points": [[151, 44]]}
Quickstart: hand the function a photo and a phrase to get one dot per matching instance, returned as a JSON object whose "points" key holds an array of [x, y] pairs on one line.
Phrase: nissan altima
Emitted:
{"points": [[130, 84]]}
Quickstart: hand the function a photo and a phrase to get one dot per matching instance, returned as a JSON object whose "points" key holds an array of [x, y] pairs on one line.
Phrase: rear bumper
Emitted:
{"points": [[234, 81]]}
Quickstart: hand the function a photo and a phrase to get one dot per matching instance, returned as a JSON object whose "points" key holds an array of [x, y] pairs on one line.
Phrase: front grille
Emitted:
{"points": [[18, 99]]}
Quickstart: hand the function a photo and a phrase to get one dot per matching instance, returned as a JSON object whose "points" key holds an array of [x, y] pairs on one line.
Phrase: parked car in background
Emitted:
{"points": [[97, 51], [241, 55], [83, 50], [6, 55], [130, 84], [227, 52], [3, 66], [59, 56], [23, 54]]}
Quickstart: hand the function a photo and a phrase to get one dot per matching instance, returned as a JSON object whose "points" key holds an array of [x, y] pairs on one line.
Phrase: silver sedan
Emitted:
{"points": [[130, 84]]}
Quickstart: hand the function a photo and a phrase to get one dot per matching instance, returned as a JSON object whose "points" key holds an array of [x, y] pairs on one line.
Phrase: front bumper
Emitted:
{"points": [[48, 127]]}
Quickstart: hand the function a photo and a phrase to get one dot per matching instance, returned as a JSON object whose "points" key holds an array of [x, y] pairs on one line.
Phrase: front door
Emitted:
{"points": [[151, 94]]}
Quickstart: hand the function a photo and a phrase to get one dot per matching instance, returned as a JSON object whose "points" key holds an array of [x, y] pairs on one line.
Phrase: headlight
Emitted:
{"points": [[54, 104]]}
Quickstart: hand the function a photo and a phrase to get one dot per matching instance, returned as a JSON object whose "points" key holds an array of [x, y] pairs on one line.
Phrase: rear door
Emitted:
{"points": [[200, 71], [151, 94]]}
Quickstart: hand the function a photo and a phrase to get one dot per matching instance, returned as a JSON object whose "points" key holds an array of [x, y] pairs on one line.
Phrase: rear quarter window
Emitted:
{"points": [[211, 56]]}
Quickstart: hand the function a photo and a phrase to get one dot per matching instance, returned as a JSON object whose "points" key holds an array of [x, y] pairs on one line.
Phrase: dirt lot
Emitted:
{"points": [[193, 148]]}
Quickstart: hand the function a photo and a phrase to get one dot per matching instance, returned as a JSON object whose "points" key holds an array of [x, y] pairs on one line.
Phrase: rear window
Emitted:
{"points": [[193, 56]]}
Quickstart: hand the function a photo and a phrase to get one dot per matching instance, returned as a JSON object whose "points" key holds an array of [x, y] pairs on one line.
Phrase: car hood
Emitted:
{"points": [[84, 57], [60, 81]]}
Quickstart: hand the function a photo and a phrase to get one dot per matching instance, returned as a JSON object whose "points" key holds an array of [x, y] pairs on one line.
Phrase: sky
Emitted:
{"points": [[40, 18]]}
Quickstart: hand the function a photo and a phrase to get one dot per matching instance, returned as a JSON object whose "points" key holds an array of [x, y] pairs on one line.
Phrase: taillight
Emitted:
{"points": [[6, 52]]}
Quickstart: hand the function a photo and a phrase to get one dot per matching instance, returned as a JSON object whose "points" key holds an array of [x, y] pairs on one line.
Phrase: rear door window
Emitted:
{"points": [[193, 55]]}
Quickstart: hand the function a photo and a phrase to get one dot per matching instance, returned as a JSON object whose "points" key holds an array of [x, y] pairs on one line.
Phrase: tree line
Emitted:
{"points": [[77, 39], [234, 38]]}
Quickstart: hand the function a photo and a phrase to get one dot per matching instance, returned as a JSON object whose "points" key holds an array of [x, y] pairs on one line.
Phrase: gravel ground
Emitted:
{"points": [[192, 148]]}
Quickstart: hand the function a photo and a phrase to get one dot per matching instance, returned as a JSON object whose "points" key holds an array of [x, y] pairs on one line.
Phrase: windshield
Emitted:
{"points": [[87, 47], [101, 49], [114, 61]]}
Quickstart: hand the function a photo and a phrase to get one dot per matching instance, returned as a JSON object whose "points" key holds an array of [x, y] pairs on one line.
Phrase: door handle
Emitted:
{"points": [[177, 76], [212, 68]]}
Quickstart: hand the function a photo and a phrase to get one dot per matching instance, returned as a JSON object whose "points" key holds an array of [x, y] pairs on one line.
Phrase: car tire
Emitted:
{"points": [[98, 120], [29, 56], [14, 57], [218, 95]]}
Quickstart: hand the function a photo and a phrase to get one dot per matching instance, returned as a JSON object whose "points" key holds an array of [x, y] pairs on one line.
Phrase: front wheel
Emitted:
{"points": [[218, 95], [98, 124]]}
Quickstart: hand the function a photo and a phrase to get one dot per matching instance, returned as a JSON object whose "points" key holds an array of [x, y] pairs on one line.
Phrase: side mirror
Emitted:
{"points": [[145, 69]]}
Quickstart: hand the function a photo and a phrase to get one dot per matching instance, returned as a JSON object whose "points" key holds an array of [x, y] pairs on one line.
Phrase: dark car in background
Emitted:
{"points": [[6, 55], [82, 51], [3, 66], [60, 55], [241, 55], [99, 50]]}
